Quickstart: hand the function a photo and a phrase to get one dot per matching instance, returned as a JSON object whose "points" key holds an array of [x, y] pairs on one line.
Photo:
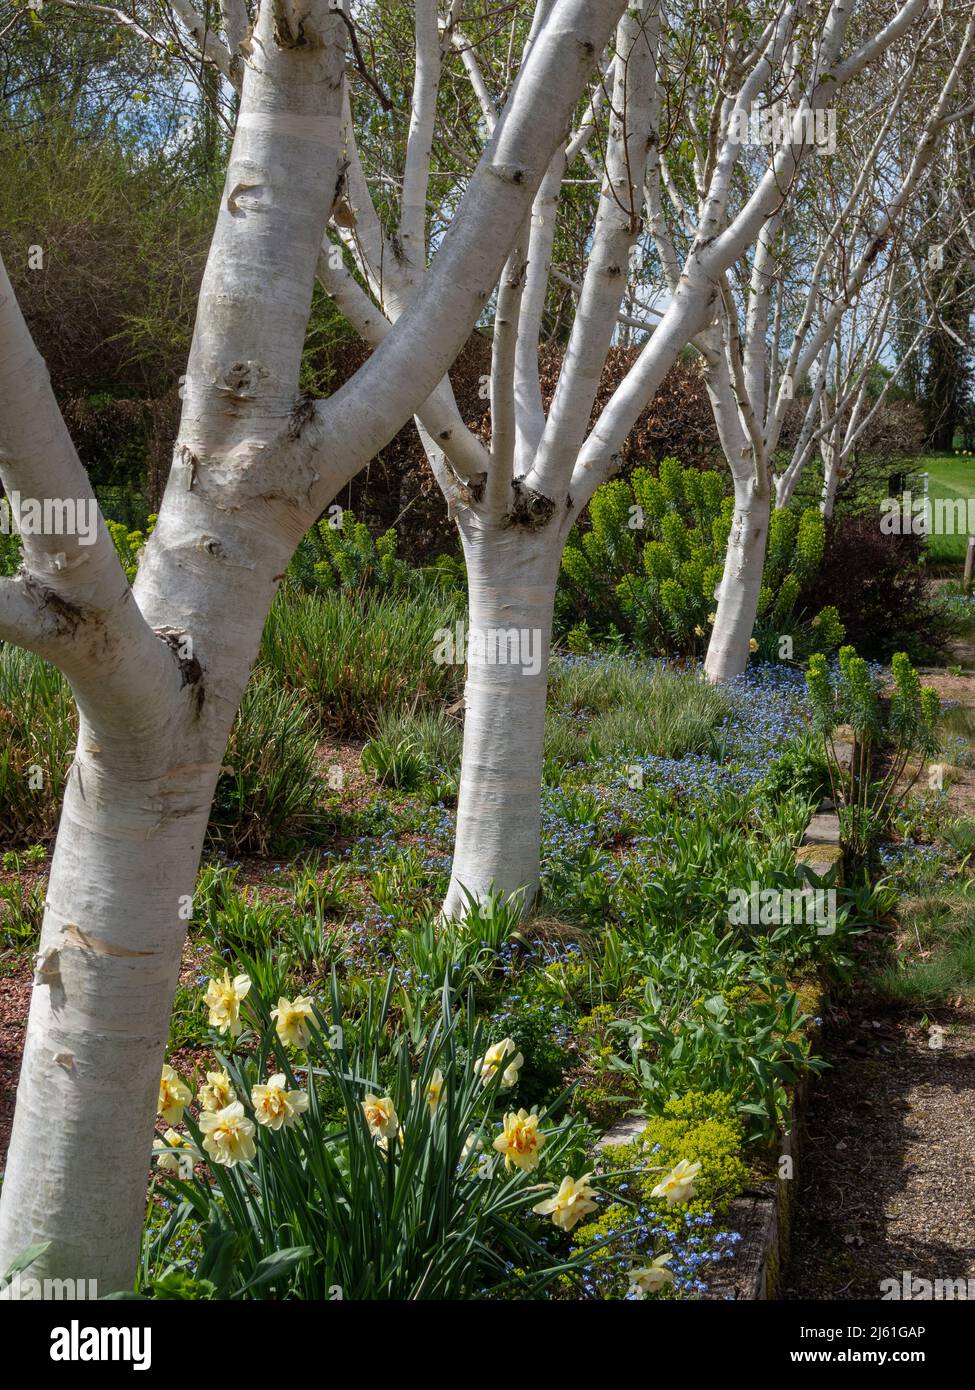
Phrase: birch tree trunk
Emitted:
{"points": [[831, 476], [511, 580], [742, 580]]}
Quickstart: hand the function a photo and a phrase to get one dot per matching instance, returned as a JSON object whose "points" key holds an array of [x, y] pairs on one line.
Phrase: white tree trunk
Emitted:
{"points": [[740, 585], [158, 671], [831, 476], [76, 1174], [512, 575]]}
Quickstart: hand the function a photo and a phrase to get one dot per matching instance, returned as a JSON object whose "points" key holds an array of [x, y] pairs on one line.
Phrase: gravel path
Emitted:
{"points": [[887, 1171]]}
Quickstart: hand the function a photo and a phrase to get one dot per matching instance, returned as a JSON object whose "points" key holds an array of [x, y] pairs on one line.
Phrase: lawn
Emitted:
{"points": [[950, 475]]}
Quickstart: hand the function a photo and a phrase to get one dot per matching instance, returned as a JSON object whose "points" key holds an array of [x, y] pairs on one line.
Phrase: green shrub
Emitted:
{"points": [[339, 553], [801, 770], [895, 730], [649, 564], [648, 568], [796, 542]]}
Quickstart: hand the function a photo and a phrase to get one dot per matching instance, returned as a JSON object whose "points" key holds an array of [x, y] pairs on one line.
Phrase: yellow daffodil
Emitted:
{"points": [[494, 1059], [574, 1200], [712, 618], [175, 1154], [520, 1140], [652, 1278], [274, 1106], [223, 999], [291, 1020], [678, 1185], [228, 1134], [434, 1089], [753, 644], [217, 1091], [381, 1117], [699, 631], [174, 1096]]}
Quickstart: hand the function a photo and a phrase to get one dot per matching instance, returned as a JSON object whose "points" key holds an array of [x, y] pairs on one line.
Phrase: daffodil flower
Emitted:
{"points": [[494, 1059], [224, 998], [228, 1135], [274, 1106], [652, 1278], [574, 1200], [434, 1090], [381, 1117], [217, 1092], [174, 1096], [520, 1140], [174, 1153], [678, 1185], [473, 1143], [291, 1020]]}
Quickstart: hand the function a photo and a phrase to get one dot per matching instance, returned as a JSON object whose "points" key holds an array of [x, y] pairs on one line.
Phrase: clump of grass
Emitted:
{"points": [[38, 727], [271, 792], [358, 658], [937, 962], [619, 706], [21, 914], [412, 747], [958, 734]]}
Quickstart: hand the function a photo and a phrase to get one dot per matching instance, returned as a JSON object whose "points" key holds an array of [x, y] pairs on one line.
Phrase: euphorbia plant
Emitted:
{"points": [[887, 732]]}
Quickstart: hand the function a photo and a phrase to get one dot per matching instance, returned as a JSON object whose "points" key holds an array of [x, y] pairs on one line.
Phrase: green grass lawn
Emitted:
{"points": [[951, 475]]}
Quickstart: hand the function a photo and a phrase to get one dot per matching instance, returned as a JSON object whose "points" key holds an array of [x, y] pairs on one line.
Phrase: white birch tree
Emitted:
{"points": [[158, 669]]}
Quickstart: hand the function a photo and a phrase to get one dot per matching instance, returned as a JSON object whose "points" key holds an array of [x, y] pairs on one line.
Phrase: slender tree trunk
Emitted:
{"points": [[742, 580], [512, 576], [831, 478]]}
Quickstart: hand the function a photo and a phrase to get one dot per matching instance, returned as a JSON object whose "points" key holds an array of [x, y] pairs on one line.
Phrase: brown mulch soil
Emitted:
{"points": [[14, 1003], [887, 1173]]}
